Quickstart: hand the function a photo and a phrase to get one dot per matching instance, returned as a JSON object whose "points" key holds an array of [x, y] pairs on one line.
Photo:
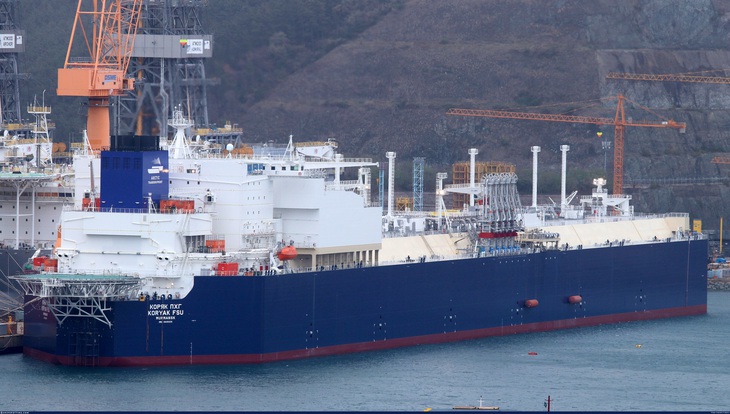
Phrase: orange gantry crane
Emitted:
{"points": [[618, 121], [104, 30]]}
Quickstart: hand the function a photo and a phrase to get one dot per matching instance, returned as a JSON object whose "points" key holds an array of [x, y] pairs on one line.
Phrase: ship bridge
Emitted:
{"points": [[79, 296]]}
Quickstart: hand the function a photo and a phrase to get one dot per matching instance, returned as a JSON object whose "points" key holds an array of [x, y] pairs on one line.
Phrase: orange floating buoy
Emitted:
{"points": [[531, 303], [575, 299], [532, 353]]}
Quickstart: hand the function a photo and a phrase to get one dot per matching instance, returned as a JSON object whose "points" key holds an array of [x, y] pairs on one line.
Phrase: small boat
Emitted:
{"points": [[474, 407]]}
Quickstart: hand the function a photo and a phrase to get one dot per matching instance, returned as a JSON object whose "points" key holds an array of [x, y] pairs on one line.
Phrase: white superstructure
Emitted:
{"points": [[226, 214]]}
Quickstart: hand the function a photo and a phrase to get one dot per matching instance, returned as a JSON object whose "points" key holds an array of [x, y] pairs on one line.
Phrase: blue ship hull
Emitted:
{"points": [[253, 319]]}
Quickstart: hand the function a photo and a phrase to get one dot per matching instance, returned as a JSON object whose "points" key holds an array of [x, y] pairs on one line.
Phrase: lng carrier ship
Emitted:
{"points": [[186, 256]]}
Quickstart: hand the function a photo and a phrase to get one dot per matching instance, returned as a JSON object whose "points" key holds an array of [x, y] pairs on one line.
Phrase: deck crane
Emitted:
{"points": [[618, 121], [106, 30]]}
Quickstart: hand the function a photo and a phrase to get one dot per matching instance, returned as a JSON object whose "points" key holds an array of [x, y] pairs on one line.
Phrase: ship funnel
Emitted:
{"points": [[534, 150]]}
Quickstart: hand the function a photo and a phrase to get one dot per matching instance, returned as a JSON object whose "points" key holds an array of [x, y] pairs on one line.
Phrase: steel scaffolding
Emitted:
{"points": [[12, 43], [418, 183], [168, 66]]}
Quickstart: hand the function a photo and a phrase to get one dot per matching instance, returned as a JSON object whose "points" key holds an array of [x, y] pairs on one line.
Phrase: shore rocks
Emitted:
{"points": [[718, 284]]}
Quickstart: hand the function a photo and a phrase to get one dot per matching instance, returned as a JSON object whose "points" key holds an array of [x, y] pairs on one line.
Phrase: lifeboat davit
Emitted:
{"points": [[575, 299], [287, 253], [531, 303]]}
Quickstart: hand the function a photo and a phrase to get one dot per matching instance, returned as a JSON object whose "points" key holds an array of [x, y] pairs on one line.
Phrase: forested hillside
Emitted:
{"points": [[380, 75]]}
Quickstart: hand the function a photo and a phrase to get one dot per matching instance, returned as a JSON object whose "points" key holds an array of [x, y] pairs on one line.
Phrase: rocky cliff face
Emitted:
{"points": [[389, 89]]}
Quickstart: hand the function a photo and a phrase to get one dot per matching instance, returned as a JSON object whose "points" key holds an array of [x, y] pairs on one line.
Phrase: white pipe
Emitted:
{"points": [[472, 172], [391, 178], [338, 159], [534, 150], [564, 149], [440, 177]]}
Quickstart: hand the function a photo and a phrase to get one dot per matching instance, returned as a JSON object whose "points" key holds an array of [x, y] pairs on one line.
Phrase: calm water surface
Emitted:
{"points": [[680, 364]]}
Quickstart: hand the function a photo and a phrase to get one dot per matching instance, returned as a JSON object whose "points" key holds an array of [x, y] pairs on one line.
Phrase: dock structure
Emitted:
{"points": [[11, 337]]}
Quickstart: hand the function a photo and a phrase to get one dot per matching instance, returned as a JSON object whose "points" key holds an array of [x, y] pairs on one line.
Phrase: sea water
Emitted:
{"points": [[680, 364]]}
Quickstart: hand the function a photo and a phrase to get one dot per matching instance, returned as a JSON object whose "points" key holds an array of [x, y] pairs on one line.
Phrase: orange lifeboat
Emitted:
{"points": [[287, 253], [38, 261], [575, 299], [531, 303]]}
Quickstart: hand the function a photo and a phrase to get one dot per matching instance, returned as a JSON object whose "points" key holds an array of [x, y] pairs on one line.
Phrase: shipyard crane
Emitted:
{"points": [[104, 32], [681, 77], [720, 160], [618, 121]]}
